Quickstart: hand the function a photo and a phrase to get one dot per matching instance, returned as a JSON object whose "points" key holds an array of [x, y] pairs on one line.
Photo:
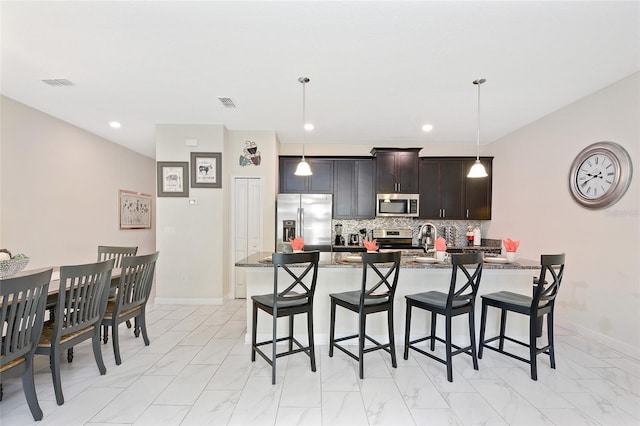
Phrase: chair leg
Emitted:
{"points": [[141, 322], [433, 330], [254, 332], [312, 347], [136, 327], [472, 338], [533, 356], [503, 326], [448, 348], [115, 342], [70, 354], [273, 348], [407, 330], [128, 323], [332, 327], [392, 339], [483, 325], [363, 330], [105, 334], [29, 386], [290, 333], [552, 355], [55, 373], [97, 351]]}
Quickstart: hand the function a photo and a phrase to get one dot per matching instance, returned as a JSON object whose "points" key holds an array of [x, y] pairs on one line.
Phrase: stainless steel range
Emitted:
{"points": [[399, 239]]}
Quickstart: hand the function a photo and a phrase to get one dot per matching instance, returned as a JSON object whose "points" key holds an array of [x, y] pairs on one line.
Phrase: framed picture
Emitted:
{"points": [[206, 170], [135, 210], [171, 179]]}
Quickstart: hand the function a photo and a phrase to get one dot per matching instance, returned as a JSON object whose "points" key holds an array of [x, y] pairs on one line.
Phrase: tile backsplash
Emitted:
{"points": [[352, 226]]}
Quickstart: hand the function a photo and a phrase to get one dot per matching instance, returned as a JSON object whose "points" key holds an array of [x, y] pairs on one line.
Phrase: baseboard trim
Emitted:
{"points": [[603, 339], [188, 301]]}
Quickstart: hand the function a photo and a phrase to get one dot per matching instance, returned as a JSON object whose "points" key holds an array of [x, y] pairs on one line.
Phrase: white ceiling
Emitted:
{"points": [[378, 70]]}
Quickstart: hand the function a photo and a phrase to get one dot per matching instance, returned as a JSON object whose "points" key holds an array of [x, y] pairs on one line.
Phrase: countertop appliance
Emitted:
{"points": [[400, 239], [339, 241], [304, 215], [427, 235], [397, 205], [354, 239]]}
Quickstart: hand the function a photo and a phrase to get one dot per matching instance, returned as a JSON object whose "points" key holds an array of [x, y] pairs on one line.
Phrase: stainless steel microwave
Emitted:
{"points": [[394, 205]]}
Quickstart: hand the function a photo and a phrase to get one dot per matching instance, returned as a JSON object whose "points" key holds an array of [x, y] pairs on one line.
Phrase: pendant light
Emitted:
{"points": [[303, 168], [477, 170]]}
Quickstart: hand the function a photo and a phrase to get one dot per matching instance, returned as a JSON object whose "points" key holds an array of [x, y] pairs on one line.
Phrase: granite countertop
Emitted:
{"points": [[338, 260]]}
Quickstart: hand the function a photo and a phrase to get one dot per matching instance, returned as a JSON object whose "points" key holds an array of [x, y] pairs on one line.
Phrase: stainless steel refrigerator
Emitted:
{"points": [[304, 215]]}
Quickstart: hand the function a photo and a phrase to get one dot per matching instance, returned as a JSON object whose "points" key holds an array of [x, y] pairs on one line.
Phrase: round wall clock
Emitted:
{"points": [[600, 175]]}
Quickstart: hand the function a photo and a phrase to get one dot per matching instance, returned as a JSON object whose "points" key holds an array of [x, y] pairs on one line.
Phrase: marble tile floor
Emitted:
{"points": [[197, 371]]}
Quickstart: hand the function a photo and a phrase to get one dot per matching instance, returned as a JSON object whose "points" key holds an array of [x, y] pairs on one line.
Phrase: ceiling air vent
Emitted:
{"points": [[57, 82], [226, 102]]}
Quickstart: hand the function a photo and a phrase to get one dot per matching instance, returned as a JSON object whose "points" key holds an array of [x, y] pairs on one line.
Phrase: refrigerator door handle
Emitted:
{"points": [[301, 216]]}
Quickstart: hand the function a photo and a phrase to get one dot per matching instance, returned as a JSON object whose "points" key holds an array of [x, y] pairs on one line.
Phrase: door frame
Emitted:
{"points": [[232, 275]]}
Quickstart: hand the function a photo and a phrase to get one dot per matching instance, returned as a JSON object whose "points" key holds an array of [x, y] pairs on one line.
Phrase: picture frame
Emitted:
{"points": [[173, 179], [135, 210], [206, 170]]}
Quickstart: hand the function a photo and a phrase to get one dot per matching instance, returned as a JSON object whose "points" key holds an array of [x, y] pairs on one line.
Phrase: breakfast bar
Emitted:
{"points": [[339, 272]]}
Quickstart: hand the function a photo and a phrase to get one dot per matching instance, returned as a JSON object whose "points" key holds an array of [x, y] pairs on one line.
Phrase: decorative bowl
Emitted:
{"points": [[12, 266]]}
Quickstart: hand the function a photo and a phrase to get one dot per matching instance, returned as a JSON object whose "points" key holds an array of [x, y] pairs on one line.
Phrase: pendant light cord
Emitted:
{"points": [[478, 82], [304, 114]]}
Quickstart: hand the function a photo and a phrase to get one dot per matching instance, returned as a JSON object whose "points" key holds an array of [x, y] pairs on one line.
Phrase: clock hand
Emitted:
{"points": [[591, 178]]}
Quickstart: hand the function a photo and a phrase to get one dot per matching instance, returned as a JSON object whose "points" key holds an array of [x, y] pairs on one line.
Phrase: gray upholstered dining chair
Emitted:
{"points": [[117, 253], [82, 299], [133, 292], [376, 294], [292, 295], [22, 306]]}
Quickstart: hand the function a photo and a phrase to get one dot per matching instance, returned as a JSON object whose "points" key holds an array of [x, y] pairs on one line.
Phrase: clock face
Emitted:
{"points": [[600, 175], [596, 175]]}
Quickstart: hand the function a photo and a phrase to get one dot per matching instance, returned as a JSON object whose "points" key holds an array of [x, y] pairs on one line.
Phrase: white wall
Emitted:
{"points": [[189, 237], [600, 296], [197, 237], [59, 188]]}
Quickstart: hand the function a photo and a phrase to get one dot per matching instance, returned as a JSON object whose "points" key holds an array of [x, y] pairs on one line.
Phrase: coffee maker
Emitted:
{"points": [[339, 241], [427, 236]]}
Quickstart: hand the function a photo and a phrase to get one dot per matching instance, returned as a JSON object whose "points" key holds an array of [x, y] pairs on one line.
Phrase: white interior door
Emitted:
{"points": [[247, 213]]}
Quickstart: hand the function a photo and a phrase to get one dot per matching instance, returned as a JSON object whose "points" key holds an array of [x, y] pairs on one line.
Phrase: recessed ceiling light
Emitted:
{"points": [[308, 126], [115, 124], [427, 128]]}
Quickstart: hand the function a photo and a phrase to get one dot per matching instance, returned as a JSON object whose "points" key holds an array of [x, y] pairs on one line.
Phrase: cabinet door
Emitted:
{"points": [[452, 188], [429, 187], [343, 193], [478, 193], [386, 169], [289, 182], [364, 190], [321, 181], [406, 172]]}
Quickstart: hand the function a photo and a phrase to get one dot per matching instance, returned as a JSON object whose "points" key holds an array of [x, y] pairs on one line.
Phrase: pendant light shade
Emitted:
{"points": [[303, 168], [477, 170]]}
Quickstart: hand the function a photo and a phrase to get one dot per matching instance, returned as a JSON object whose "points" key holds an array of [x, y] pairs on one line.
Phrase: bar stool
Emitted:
{"points": [[368, 300], [459, 300], [535, 307], [295, 298]]}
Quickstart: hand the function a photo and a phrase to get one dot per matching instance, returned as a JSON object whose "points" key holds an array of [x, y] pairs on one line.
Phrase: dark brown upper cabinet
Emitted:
{"points": [[478, 192], [320, 182], [447, 193], [354, 195], [396, 170]]}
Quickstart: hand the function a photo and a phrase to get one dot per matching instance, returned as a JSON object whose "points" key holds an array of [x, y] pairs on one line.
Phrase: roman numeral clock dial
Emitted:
{"points": [[600, 175]]}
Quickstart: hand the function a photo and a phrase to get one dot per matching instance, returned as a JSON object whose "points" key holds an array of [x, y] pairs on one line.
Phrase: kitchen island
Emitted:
{"points": [[339, 272]]}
